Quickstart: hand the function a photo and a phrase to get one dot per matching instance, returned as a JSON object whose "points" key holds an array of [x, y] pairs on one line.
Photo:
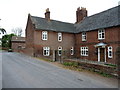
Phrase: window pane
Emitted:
{"points": [[44, 52], [44, 35], [102, 35], [59, 36], [110, 52], [83, 36], [72, 51]]}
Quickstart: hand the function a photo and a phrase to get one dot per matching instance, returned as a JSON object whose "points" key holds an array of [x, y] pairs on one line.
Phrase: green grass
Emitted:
{"points": [[113, 65], [73, 64], [76, 67], [104, 74], [45, 59]]}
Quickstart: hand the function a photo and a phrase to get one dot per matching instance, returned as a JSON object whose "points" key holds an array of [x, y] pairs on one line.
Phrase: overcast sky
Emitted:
{"points": [[14, 13]]}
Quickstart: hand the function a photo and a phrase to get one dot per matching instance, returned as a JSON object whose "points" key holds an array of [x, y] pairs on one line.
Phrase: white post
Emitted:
{"points": [[98, 54], [105, 55], [53, 55]]}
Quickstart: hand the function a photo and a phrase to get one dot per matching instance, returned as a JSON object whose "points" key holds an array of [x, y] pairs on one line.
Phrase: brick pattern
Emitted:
{"points": [[18, 46], [52, 42], [111, 39]]}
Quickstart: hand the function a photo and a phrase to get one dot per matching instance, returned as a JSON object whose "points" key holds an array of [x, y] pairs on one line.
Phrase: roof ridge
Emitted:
{"points": [[104, 19], [54, 20], [103, 11]]}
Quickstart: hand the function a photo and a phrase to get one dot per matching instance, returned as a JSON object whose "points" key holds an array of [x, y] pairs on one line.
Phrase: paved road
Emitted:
{"points": [[21, 71], [0, 70]]}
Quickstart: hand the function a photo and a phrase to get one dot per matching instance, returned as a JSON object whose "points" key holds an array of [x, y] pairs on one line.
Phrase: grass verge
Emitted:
{"points": [[76, 67]]}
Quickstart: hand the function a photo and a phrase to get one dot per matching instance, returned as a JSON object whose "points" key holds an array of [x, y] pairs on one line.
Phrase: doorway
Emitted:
{"points": [[101, 55]]}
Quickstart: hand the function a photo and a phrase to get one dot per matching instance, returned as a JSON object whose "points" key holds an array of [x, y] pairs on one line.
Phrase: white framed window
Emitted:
{"points": [[46, 51], [110, 53], [101, 34], [59, 51], [84, 36], [72, 50], [44, 35], [59, 37], [84, 51]]}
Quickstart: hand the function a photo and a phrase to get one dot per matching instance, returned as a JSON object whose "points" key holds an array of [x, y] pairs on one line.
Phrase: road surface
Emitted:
{"points": [[0, 70], [21, 71]]}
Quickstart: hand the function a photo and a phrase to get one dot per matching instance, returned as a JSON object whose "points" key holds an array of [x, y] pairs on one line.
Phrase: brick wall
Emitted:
{"points": [[52, 42], [111, 39], [29, 36], [18, 46]]}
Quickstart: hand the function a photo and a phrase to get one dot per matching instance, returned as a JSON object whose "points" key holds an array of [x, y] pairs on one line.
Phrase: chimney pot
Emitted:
{"points": [[80, 14], [47, 14]]}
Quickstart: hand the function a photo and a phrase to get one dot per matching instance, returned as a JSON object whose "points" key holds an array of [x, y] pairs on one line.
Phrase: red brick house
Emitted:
{"points": [[45, 36], [18, 43], [93, 37], [98, 36]]}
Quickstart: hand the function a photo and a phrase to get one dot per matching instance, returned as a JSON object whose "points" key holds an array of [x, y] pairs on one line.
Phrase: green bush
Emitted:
{"points": [[113, 65], [74, 64]]}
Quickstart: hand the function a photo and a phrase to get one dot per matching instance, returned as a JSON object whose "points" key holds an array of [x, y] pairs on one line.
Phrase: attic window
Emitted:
{"points": [[84, 36], [101, 34], [44, 35], [59, 37]]}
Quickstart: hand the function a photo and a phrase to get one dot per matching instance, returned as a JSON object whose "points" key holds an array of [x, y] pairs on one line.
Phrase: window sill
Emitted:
{"points": [[84, 56], [59, 41], [46, 55], [102, 39], [44, 40], [110, 57], [84, 40]]}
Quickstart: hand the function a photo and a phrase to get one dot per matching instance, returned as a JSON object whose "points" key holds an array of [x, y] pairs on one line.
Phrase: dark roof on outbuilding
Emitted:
{"points": [[18, 39], [105, 19], [52, 25]]}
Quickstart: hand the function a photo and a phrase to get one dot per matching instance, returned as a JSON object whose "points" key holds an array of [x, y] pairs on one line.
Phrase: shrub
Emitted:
{"points": [[74, 64]]}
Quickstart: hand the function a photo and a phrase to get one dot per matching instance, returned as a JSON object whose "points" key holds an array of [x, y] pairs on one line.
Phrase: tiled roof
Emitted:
{"points": [[52, 25], [108, 18], [105, 19]]}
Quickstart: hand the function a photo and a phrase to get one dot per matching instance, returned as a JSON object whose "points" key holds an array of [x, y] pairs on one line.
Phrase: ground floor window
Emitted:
{"points": [[59, 51], [46, 51], [72, 51], [84, 51], [19, 47], [110, 54]]}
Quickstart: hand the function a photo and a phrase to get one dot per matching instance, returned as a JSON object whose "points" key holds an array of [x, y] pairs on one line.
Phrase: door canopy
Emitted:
{"points": [[100, 45]]}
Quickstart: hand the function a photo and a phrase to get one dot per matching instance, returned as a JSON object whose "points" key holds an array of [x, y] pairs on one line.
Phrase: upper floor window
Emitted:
{"points": [[44, 35], [110, 55], [60, 37], [59, 50], [101, 34], [72, 50], [84, 36], [46, 51], [84, 51]]}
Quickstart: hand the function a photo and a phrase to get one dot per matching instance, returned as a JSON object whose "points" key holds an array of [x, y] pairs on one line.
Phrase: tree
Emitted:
{"points": [[6, 40], [2, 30], [17, 31]]}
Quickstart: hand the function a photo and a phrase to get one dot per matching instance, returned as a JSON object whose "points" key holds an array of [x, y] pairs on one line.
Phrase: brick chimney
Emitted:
{"points": [[80, 14], [47, 14]]}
